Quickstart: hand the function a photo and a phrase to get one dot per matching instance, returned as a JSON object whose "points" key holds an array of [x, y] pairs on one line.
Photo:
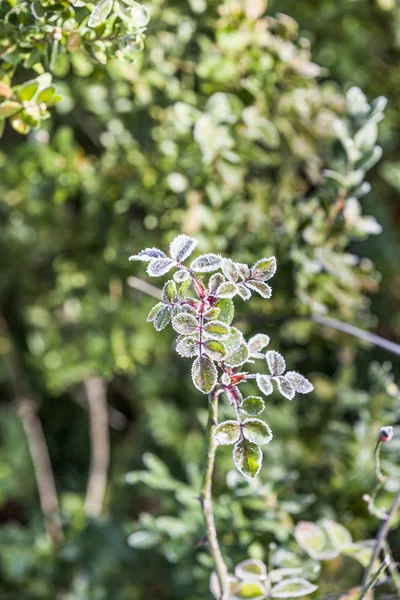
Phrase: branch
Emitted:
{"points": [[100, 445], [42, 467], [381, 538], [206, 496], [373, 339], [146, 288]]}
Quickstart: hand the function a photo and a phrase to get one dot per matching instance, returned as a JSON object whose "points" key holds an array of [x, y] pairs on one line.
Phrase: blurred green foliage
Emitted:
{"points": [[221, 128]]}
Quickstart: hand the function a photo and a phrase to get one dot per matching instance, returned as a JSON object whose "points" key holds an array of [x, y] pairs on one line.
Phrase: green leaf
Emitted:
{"points": [[258, 342], [251, 568], [310, 537], [162, 318], [187, 346], [46, 95], [227, 432], [206, 263], [252, 405], [339, 536], [27, 91], [293, 588], [237, 357], [144, 539], [250, 589], [204, 374], [19, 125], [8, 108], [264, 268], [227, 309], [100, 13], [360, 552], [214, 349], [185, 324], [154, 311], [216, 330], [247, 458], [212, 313], [181, 247], [227, 290], [257, 431], [169, 291], [243, 291], [259, 286], [215, 281]]}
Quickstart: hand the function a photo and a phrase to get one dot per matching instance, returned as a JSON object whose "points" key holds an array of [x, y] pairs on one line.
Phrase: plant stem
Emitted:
{"points": [[383, 566], [206, 497], [381, 538]]}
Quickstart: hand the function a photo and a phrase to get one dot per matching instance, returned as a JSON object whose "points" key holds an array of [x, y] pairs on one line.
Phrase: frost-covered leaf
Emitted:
{"points": [[159, 266], [181, 276], [293, 588], [148, 254], [230, 270], [182, 247], [187, 346], [215, 281], [227, 310], [162, 318], [243, 270], [258, 342], [154, 311], [264, 268], [211, 313], [234, 340], [227, 432], [185, 324], [134, 14], [237, 357], [259, 286], [360, 551], [227, 290], [215, 349], [300, 383], [204, 374], [264, 384], [243, 292], [339, 536], [252, 405], [183, 289], [251, 568], [100, 12], [285, 387], [257, 431], [169, 291], [276, 362], [310, 537], [206, 263], [216, 330], [250, 589], [247, 458]]}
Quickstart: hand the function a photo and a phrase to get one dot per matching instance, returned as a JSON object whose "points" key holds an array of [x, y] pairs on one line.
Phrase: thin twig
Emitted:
{"points": [[393, 567], [373, 339], [100, 445], [369, 586], [206, 496], [146, 288], [42, 467], [381, 537]]}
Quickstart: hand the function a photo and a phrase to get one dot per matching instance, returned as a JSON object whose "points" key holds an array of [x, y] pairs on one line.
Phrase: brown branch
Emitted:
{"points": [[42, 467], [100, 445]]}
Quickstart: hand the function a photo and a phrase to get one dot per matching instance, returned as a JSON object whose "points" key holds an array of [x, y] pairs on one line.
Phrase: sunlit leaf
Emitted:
{"points": [[264, 384], [181, 247], [227, 290], [214, 349], [251, 568], [227, 432], [252, 405], [300, 383], [169, 292], [293, 588], [204, 374], [159, 266], [162, 318], [206, 263], [185, 324], [216, 330], [257, 431], [264, 268], [276, 362], [187, 346], [100, 12], [247, 458], [258, 342], [148, 254], [285, 387], [262, 288]]}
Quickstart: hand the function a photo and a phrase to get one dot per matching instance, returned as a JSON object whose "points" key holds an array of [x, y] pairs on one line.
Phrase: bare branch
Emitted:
{"points": [[42, 467], [146, 288], [100, 445]]}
